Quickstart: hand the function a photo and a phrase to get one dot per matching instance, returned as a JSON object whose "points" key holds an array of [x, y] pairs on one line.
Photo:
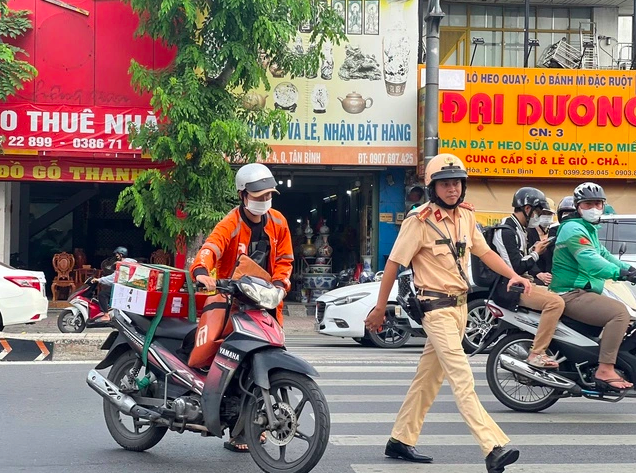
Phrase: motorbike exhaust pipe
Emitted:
{"points": [[123, 402], [543, 377]]}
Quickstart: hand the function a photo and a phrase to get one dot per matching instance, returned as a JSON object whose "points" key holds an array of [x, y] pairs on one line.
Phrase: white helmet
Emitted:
{"points": [[256, 179]]}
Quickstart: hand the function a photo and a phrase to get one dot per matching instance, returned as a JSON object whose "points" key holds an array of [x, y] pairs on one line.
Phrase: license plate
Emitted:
{"points": [[399, 313]]}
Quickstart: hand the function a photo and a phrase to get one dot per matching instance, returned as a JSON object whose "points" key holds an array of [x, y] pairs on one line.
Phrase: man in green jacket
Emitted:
{"points": [[580, 267]]}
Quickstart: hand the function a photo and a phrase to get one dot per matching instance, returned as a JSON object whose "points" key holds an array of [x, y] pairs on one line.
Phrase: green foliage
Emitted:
{"points": [[203, 127], [13, 72]]}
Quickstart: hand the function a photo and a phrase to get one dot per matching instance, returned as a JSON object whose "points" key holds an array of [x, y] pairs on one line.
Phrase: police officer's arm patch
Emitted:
{"points": [[424, 214], [466, 205]]}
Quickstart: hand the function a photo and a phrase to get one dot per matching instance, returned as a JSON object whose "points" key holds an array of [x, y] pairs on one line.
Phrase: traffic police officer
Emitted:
{"points": [[436, 240]]}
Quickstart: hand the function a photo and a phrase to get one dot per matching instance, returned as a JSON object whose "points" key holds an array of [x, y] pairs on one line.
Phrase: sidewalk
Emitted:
{"points": [[86, 345]]}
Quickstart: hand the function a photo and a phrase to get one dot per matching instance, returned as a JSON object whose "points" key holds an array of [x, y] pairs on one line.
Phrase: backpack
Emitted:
{"points": [[482, 275]]}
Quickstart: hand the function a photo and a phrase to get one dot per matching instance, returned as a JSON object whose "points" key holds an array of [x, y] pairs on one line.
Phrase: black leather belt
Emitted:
{"points": [[443, 300]]}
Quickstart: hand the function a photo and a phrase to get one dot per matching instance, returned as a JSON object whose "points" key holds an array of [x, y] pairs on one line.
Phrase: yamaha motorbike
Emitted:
{"points": [[575, 346], [253, 388]]}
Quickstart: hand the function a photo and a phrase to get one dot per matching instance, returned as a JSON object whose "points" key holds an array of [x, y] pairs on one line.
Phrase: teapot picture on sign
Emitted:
{"points": [[354, 103]]}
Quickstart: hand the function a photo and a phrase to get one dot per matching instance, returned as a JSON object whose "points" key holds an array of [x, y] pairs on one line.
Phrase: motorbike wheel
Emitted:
{"points": [[132, 433], [298, 403], [67, 322], [512, 390], [478, 323]]}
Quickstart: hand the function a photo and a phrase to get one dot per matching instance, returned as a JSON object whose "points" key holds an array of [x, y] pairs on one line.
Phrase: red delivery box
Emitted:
{"points": [[146, 303], [149, 277]]}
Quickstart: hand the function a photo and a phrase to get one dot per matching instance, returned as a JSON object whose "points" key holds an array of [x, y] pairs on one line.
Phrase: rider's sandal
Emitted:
{"points": [[604, 384], [543, 361]]}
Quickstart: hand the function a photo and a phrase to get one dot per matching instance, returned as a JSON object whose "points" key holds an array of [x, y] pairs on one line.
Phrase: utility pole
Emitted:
{"points": [[431, 105], [526, 34]]}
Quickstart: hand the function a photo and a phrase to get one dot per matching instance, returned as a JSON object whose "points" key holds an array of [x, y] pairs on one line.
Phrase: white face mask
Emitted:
{"points": [[591, 215], [534, 221], [258, 207], [545, 221]]}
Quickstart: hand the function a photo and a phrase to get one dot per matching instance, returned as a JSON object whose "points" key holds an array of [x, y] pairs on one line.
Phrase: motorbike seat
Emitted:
{"points": [[169, 327], [589, 331]]}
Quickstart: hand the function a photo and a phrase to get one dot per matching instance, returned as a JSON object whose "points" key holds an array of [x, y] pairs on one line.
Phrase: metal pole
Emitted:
{"points": [[431, 105], [634, 35], [526, 34]]}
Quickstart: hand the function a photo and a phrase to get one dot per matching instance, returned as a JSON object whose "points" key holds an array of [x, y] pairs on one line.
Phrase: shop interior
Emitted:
{"points": [[331, 219]]}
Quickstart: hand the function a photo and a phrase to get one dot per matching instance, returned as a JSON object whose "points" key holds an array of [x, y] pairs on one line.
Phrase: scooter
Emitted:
{"points": [[253, 388], [84, 311], [575, 346]]}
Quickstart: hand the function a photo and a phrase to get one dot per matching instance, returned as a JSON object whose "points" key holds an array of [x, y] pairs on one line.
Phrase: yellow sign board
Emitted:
{"points": [[507, 122]]}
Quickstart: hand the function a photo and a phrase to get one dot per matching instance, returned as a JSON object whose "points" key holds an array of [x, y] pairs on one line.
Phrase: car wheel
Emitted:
{"points": [[389, 336], [478, 323]]}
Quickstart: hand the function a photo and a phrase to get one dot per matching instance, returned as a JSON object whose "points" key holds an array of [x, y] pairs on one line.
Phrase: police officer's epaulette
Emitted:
{"points": [[423, 214], [466, 205]]}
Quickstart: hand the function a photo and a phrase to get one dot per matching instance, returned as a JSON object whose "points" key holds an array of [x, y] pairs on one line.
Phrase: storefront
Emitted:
{"points": [[343, 165]]}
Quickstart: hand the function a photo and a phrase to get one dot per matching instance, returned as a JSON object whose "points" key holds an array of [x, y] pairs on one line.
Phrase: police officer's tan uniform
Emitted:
{"points": [[435, 270]]}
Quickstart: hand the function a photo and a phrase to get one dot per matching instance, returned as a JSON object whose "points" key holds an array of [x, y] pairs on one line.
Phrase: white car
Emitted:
{"points": [[341, 313], [22, 296]]}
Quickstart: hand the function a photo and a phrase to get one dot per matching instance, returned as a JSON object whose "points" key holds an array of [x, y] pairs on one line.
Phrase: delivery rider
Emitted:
{"points": [[436, 239], [254, 229]]}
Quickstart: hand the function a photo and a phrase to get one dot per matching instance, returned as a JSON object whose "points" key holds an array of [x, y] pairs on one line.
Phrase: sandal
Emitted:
{"points": [[543, 361], [238, 444], [606, 384]]}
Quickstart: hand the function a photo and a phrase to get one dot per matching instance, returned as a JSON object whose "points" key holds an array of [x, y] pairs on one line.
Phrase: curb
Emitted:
{"points": [[87, 346]]}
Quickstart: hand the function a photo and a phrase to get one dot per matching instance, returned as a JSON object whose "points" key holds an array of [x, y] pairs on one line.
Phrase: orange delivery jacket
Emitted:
{"points": [[231, 238]]}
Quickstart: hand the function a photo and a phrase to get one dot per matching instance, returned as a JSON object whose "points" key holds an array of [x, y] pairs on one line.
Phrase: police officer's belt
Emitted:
{"points": [[442, 301]]}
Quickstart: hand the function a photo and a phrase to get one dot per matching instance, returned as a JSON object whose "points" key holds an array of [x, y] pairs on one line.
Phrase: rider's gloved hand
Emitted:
{"points": [[628, 274]]}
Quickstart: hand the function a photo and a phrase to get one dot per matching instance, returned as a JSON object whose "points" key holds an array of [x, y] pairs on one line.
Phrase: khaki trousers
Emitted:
{"points": [[551, 306], [444, 357], [601, 311]]}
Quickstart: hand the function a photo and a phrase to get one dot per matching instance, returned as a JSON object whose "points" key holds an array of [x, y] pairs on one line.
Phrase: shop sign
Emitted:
{"points": [[123, 171], [490, 218], [360, 106], [505, 122], [386, 217], [70, 128]]}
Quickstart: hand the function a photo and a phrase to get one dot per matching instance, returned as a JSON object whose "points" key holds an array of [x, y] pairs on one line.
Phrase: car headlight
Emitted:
{"points": [[349, 299]]}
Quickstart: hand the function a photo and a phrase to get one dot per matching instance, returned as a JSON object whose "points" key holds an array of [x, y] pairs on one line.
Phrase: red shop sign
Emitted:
{"points": [[70, 127]]}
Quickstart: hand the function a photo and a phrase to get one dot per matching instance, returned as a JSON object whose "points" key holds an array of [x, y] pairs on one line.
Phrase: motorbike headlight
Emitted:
{"points": [[266, 297], [352, 298]]}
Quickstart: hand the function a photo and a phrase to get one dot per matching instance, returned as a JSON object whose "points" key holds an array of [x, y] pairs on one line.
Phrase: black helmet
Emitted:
{"points": [[566, 205], [588, 191], [530, 196], [122, 251]]}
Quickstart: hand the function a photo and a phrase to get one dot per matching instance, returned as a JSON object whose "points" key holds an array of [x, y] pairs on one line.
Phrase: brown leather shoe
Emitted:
{"points": [[396, 449]]}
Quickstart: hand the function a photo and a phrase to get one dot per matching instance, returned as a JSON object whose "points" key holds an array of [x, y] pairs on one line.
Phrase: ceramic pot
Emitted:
{"points": [[354, 103], [309, 250], [325, 281], [254, 101]]}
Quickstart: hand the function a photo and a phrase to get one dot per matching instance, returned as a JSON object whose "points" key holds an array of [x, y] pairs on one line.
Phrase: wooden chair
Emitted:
{"points": [[160, 257], [63, 264]]}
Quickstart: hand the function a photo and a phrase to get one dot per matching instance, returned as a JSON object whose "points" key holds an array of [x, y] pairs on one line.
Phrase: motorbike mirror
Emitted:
{"points": [[622, 249]]}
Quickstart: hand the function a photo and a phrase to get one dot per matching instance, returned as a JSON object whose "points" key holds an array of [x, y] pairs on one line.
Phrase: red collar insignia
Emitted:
{"points": [[438, 215]]}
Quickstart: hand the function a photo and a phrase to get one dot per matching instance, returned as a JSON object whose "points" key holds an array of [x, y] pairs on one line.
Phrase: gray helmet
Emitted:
{"points": [[588, 191], [530, 196], [565, 206], [256, 179], [123, 251]]}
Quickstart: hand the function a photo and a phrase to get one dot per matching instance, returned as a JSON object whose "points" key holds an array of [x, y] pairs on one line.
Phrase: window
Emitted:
{"points": [[502, 30], [624, 232]]}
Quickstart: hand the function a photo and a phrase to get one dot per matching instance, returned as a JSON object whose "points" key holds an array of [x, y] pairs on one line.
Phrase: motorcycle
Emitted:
{"points": [[84, 311], [254, 387], [575, 346]]}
